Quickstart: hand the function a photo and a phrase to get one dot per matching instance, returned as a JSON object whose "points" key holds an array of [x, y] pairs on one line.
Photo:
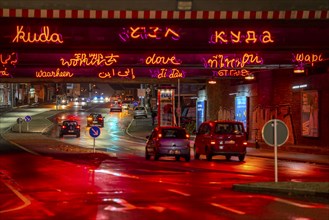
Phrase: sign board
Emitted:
{"points": [[94, 131], [28, 118], [268, 132]]}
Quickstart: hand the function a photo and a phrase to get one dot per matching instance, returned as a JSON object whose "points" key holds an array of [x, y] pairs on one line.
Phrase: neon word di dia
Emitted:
{"points": [[127, 73], [232, 73], [92, 59], [307, 58], [44, 37], [54, 74], [222, 61], [4, 73], [144, 33], [233, 37], [167, 73], [162, 60], [9, 59]]}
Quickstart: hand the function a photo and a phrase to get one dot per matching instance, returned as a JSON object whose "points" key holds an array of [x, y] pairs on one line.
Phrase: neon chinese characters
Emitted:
{"points": [[44, 37], [234, 37], [92, 59]]}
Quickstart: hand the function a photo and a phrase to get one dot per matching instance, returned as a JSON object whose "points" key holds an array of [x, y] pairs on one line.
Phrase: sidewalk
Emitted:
{"points": [[318, 190]]}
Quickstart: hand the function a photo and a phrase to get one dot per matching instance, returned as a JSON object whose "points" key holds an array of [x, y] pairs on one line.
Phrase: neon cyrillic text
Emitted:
{"points": [[234, 37], [44, 37]]}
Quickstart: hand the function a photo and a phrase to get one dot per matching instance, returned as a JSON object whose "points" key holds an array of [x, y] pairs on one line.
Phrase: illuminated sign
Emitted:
{"points": [[4, 73], [232, 73], [233, 37], [9, 59], [44, 37], [92, 59], [53, 74], [307, 58], [225, 62], [144, 33], [162, 60], [127, 73], [167, 73]]}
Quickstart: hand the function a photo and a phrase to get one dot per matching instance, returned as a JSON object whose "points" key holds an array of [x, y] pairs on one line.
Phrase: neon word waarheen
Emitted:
{"points": [[307, 58], [167, 73], [148, 33], [92, 59], [53, 74], [44, 37], [222, 61], [9, 59], [127, 73], [235, 37], [232, 73], [162, 60]]}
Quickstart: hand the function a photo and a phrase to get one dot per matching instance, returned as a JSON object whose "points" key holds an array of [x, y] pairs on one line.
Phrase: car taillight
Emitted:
{"points": [[159, 135], [78, 126], [245, 143], [63, 126], [213, 142], [89, 119], [187, 136], [101, 119]]}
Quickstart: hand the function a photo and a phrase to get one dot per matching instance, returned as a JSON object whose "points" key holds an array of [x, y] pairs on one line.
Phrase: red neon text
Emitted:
{"points": [[4, 73], [162, 60], [307, 58], [44, 37], [53, 74], [148, 33], [10, 59], [233, 37], [168, 73], [232, 73], [92, 59], [127, 73], [221, 61]]}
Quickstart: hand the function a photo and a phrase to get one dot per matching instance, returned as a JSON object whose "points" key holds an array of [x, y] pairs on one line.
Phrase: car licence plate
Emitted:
{"points": [[71, 131], [174, 151]]}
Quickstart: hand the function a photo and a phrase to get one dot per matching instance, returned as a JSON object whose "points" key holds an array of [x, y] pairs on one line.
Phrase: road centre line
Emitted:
{"points": [[179, 192], [228, 209]]}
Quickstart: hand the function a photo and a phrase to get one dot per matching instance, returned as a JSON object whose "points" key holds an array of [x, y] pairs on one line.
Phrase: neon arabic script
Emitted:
{"points": [[167, 73], [92, 59], [144, 33], [162, 60], [222, 61], [44, 37], [127, 73], [10, 59], [307, 58], [4, 73], [233, 37], [54, 74]]}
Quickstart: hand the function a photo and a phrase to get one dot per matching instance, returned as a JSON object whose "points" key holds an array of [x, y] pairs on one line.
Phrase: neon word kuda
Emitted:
{"points": [[144, 33], [92, 59], [162, 60], [127, 73], [167, 73], [222, 61], [53, 74], [234, 37], [307, 58], [44, 37]]}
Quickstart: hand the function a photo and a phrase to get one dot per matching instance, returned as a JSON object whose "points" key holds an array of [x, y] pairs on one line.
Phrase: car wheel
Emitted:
{"points": [[60, 135], [228, 157], [177, 158], [196, 155], [208, 155], [78, 135], [156, 157], [187, 158], [147, 156], [241, 157]]}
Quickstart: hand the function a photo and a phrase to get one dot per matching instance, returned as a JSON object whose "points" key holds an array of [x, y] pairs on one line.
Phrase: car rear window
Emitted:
{"points": [[173, 133], [139, 108], [228, 128]]}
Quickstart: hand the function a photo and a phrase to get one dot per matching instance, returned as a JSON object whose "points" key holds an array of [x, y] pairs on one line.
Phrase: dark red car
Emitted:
{"points": [[95, 119]]}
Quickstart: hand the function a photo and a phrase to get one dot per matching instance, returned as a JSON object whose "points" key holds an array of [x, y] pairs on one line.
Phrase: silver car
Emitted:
{"points": [[140, 111]]}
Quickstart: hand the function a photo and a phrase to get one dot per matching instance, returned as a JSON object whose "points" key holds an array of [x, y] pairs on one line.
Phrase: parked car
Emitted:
{"points": [[126, 105], [168, 141], [95, 119], [69, 128], [115, 106], [140, 111], [226, 138]]}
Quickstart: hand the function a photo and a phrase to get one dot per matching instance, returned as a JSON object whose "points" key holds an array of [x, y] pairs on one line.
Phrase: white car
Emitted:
{"points": [[140, 111]]}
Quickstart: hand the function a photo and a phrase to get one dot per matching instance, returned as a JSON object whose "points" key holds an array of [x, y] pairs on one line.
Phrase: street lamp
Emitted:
{"points": [[184, 5]]}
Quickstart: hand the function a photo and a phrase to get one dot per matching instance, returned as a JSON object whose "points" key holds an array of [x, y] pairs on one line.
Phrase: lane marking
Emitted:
{"points": [[228, 209], [179, 192], [25, 200], [23, 148]]}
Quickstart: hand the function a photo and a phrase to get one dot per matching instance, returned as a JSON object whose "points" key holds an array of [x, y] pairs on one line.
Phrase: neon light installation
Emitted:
{"points": [[4, 73], [167, 73], [148, 33], [44, 37], [92, 59], [222, 61], [54, 74], [162, 60], [232, 73], [234, 37], [9, 59], [127, 73], [307, 58]]}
